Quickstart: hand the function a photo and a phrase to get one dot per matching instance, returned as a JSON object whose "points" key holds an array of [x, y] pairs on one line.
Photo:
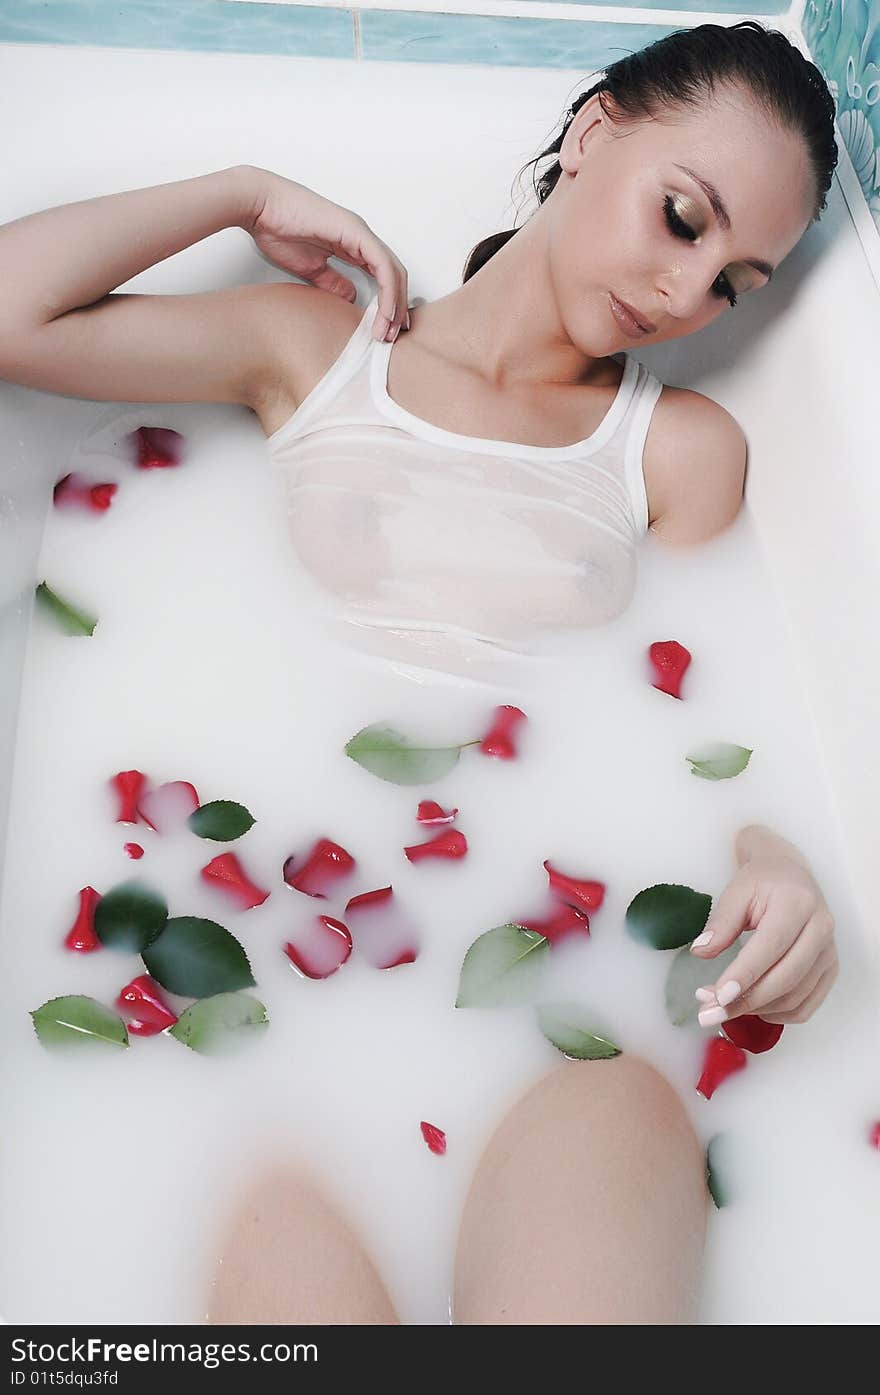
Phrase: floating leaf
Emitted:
{"points": [[130, 916], [197, 958], [387, 753], [222, 820], [502, 966], [687, 973], [667, 916], [65, 615], [717, 1170], [219, 1022], [76, 1019], [563, 1025], [720, 761]]}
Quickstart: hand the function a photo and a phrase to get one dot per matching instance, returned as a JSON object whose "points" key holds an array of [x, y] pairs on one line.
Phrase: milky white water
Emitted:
{"points": [[119, 1165]]}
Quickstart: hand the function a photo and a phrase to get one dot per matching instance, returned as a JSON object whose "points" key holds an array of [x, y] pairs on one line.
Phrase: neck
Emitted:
{"points": [[504, 322]]}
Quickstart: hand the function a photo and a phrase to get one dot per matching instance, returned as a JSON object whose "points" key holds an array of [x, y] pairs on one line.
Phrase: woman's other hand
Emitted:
{"points": [[788, 965], [297, 230]]}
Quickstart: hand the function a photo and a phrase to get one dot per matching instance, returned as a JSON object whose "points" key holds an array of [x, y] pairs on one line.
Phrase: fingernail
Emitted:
{"points": [[705, 995], [394, 333], [702, 939], [407, 319], [710, 1017], [727, 994]]}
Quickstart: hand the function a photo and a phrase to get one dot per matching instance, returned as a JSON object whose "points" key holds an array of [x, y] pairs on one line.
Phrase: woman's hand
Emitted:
{"points": [[788, 964], [297, 230]]}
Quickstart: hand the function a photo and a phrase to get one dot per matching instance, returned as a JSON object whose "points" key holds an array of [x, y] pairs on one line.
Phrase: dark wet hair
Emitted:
{"points": [[682, 70]]}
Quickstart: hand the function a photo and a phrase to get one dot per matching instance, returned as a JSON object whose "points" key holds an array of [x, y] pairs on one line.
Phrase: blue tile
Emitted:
{"points": [[214, 26], [727, 7], [532, 43]]}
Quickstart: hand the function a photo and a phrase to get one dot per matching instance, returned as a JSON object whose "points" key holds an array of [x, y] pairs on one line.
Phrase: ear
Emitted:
{"points": [[571, 151]]}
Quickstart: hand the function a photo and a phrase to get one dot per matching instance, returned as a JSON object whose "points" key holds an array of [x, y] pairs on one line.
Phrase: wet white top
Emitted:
{"points": [[444, 549]]}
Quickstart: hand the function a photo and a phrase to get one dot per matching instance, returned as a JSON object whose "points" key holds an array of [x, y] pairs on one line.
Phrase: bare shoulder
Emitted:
{"points": [[695, 465], [301, 331]]}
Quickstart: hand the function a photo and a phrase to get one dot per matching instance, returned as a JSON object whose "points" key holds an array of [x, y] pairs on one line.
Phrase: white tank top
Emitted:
{"points": [[453, 551]]}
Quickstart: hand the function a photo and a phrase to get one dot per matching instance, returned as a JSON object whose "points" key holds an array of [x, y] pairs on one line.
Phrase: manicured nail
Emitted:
{"points": [[705, 995], [727, 994], [394, 333], [407, 319], [702, 939], [710, 1017]]}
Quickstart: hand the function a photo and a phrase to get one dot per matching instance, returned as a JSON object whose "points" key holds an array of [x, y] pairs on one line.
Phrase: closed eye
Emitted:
{"points": [[721, 287]]}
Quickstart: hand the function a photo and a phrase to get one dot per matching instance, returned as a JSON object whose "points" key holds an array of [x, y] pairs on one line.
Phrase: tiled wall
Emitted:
{"points": [[324, 31], [844, 41]]}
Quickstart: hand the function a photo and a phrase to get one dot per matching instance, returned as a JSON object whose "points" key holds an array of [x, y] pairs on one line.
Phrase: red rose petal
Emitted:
{"points": [[143, 997], [321, 947], [564, 920], [384, 934], [81, 936], [874, 1135], [722, 1058], [155, 447], [226, 872], [326, 863], [574, 890], [448, 844], [434, 1137], [498, 740], [169, 806], [752, 1033], [134, 850], [431, 812], [129, 786], [78, 492], [669, 660], [369, 898]]}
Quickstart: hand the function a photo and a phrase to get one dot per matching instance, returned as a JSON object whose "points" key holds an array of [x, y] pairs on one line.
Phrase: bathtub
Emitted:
{"points": [[797, 367]]}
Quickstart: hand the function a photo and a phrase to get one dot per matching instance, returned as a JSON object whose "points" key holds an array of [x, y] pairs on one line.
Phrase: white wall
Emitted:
{"points": [[796, 365]]}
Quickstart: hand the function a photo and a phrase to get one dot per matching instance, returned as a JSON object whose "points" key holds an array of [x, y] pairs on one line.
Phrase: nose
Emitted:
{"points": [[684, 290]]}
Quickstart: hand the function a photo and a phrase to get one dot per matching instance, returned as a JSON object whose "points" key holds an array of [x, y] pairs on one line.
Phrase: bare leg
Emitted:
{"points": [[588, 1206], [290, 1258]]}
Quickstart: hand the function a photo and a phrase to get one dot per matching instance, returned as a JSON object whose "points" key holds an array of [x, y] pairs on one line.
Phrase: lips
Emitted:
{"points": [[643, 325]]}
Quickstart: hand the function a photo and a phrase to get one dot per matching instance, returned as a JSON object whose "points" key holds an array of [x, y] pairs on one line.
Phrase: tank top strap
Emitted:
{"points": [[343, 368]]}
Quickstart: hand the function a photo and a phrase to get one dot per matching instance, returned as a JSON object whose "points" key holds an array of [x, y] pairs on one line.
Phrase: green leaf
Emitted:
{"points": [[667, 916], [219, 1022], [130, 916], [502, 966], [387, 753], [720, 761], [222, 820], [77, 1019], [65, 615], [563, 1024], [717, 1169], [197, 958], [688, 972]]}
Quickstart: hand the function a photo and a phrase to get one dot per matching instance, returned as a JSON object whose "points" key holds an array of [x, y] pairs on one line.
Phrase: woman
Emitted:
{"points": [[681, 181]]}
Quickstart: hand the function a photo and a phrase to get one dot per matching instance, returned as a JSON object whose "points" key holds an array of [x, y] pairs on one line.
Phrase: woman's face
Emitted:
{"points": [[626, 219]]}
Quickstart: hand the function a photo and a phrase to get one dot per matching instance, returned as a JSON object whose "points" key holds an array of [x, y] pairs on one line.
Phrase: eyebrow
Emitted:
{"points": [[721, 213]]}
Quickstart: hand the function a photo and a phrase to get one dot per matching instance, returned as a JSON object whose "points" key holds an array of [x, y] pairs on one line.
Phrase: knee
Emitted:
{"points": [[625, 1097]]}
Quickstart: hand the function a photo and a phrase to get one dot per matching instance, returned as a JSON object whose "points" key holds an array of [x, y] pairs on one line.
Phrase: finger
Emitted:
{"points": [[794, 968], [806, 1009], [762, 1000], [730, 915], [328, 279], [787, 1002], [779, 928], [391, 282]]}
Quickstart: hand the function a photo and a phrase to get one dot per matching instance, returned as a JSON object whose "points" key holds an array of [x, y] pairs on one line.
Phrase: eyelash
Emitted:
{"points": [[681, 229]]}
